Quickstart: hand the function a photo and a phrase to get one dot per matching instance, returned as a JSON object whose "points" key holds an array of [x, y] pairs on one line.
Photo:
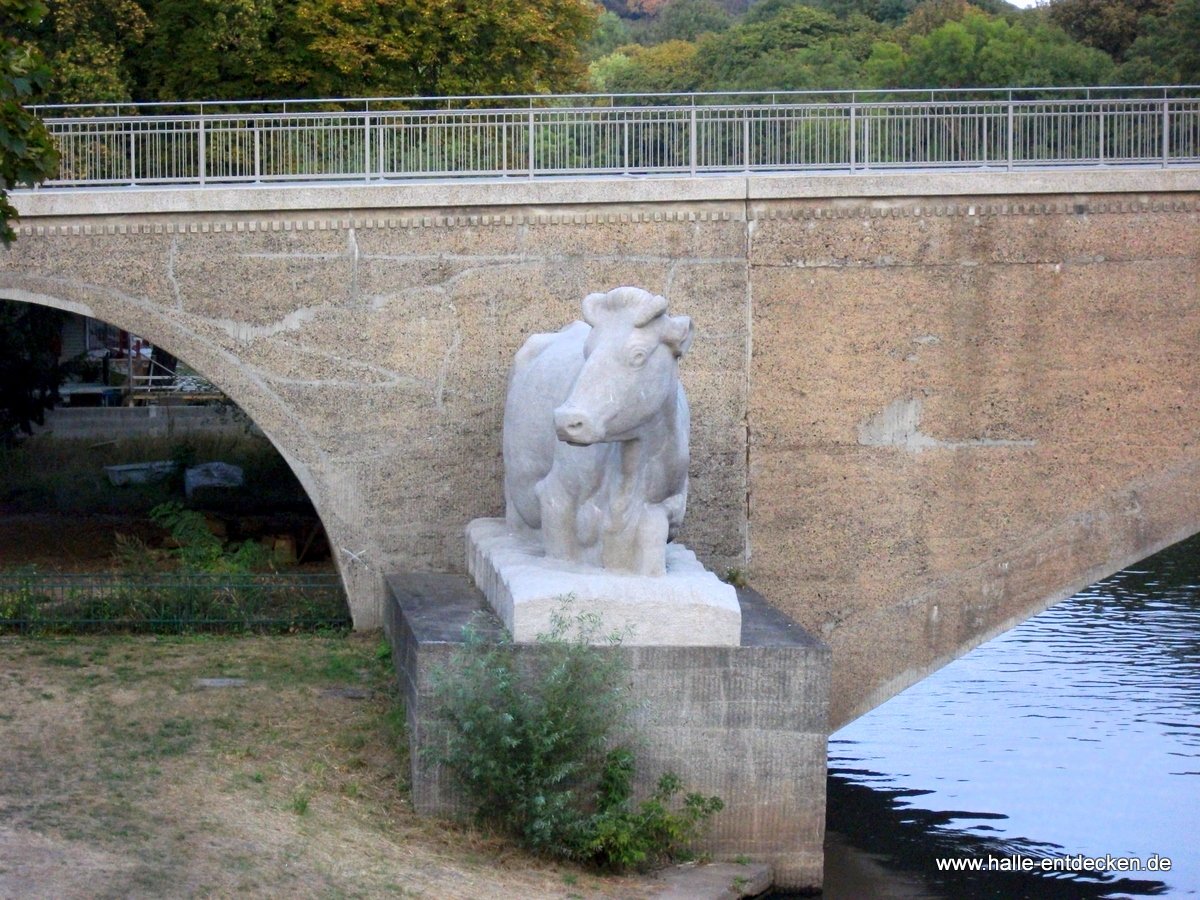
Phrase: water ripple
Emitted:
{"points": [[1071, 726]]}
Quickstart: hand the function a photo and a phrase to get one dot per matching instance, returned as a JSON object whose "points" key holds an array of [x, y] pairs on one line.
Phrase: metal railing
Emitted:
{"points": [[170, 602], [623, 135]]}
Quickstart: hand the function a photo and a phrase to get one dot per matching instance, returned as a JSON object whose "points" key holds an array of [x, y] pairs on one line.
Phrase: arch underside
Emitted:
{"points": [[269, 412]]}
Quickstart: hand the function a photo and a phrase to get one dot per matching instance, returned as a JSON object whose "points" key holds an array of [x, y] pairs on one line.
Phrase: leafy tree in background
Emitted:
{"points": [[445, 46], [611, 32], [1168, 50], [91, 47], [121, 50], [726, 58], [929, 16], [217, 50], [1108, 25], [664, 68], [986, 51], [686, 20], [800, 48], [27, 153], [29, 370]]}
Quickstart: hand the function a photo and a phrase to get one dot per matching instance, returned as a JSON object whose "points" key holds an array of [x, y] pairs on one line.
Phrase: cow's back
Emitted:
{"points": [[541, 378]]}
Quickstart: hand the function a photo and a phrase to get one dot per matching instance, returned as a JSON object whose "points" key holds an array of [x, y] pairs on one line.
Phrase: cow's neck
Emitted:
{"points": [[640, 458]]}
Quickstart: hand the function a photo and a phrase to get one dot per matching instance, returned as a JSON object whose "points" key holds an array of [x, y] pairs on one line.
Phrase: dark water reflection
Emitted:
{"points": [[1076, 733]]}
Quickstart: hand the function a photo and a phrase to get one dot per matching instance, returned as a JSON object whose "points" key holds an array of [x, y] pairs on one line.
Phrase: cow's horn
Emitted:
{"points": [[592, 305], [655, 307]]}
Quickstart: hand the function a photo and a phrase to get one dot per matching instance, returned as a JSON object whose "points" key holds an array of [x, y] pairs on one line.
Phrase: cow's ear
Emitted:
{"points": [[593, 306], [677, 334]]}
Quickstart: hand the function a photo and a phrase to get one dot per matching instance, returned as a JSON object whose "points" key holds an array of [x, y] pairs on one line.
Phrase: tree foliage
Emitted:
{"points": [[438, 47], [986, 51], [91, 47], [686, 20], [881, 44], [1108, 25], [29, 370], [1168, 49], [27, 153], [120, 50]]}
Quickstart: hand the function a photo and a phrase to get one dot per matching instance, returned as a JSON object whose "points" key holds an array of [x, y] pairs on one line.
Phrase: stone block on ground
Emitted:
{"points": [[212, 475]]}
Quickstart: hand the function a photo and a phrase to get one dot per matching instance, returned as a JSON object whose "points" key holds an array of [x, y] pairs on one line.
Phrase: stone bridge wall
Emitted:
{"points": [[923, 407]]}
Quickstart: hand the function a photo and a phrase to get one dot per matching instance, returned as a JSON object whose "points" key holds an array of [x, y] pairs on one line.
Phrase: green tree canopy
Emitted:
{"points": [[1168, 49], [116, 50], [987, 51], [27, 153], [1108, 25], [91, 47], [439, 47], [686, 20], [218, 50]]}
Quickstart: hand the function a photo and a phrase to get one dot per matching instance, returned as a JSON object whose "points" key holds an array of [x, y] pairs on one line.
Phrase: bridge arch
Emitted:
{"points": [[238, 382]]}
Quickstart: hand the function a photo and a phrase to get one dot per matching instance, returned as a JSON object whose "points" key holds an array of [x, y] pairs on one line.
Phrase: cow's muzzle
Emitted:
{"points": [[576, 427]]}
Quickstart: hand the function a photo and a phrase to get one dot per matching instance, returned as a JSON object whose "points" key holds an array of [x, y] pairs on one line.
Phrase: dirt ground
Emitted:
{"points": [[62, 544], [122, 776]]}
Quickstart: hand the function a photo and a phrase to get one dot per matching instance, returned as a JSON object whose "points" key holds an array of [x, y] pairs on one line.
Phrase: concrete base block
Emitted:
{"points": [[687, 607], [746, 723]]}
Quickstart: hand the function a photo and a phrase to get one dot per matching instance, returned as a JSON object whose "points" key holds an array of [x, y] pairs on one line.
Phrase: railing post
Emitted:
{"points": [[866, 152], [132, 154], [367, 146], [504, 148], [1100, 136], [625, 142], [853, 130], [746, 137], [692, 141], [531, 143], [985, 136], [1166, 133], [1010, 133], [257, 152], [203, 148]]}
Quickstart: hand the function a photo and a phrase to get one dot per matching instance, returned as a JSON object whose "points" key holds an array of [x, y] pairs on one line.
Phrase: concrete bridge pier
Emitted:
{"points": [[746, 724]]}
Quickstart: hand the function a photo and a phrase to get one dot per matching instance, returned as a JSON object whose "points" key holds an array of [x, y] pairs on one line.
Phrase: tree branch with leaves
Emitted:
{"points": [[27, 152]]}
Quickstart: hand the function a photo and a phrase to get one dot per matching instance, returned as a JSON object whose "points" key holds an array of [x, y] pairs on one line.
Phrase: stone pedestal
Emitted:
{"points": [[687, 607], [746, 723]]}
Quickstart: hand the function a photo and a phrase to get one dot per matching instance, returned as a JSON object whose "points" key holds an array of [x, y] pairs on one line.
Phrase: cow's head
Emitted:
{"points": [[630, 368]]}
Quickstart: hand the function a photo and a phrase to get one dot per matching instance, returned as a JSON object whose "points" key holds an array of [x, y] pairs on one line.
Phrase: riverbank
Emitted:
{"points": [[213, 767]]}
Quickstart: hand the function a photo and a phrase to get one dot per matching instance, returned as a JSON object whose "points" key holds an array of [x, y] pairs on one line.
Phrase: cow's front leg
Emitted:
{"points": [[640, 547], [559, 506], [652, 540]]}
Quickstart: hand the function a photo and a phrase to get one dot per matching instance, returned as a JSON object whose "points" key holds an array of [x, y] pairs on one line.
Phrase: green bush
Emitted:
{"points": [[534, 741], [199, 550]]}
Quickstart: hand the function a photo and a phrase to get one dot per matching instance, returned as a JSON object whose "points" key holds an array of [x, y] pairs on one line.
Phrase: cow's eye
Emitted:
{"points": [[637, 357]]}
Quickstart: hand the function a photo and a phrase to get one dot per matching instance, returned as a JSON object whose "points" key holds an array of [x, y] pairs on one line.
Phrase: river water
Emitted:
{"points": [[1077, 733]]}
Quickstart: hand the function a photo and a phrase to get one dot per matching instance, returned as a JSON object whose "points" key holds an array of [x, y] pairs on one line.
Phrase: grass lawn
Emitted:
{"points": [[122, 777]]}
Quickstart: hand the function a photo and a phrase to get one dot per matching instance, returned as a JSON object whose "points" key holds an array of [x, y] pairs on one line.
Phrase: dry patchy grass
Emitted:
{"points": [[121, 778]]}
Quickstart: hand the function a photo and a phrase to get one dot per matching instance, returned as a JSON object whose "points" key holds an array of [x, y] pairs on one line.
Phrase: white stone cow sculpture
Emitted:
{"points": [[596, 434]]}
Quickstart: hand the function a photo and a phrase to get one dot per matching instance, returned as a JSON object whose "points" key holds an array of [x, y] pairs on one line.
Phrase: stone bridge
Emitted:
{"points": [[926, 406]]}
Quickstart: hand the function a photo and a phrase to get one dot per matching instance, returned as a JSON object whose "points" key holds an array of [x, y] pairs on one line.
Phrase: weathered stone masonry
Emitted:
{"points": [[918, 416]]}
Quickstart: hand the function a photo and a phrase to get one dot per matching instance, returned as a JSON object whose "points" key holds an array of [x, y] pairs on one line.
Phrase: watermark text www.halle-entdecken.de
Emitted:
{"points": [[1017, 863]]}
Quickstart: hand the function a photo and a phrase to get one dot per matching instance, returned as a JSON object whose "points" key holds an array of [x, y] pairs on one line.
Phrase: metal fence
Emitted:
{"points": [[635, 135], [172, 603]]}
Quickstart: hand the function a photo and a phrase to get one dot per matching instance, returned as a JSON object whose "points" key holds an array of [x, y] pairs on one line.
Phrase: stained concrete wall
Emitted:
{"points": [[924, 406]]}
